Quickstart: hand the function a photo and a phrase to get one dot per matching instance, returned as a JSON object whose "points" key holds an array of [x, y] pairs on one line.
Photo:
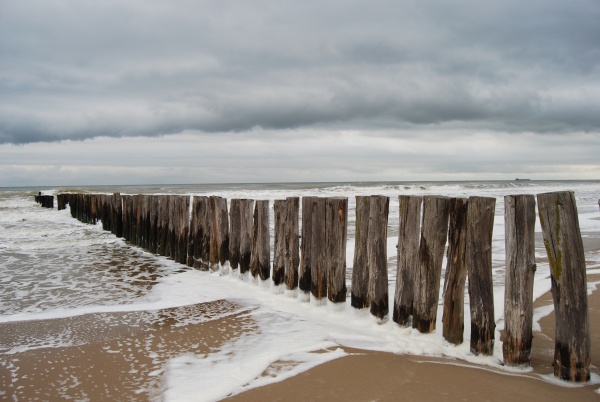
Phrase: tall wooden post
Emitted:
{"points": [[409, 234], [235, 233], [480, 224], [246, 230], [199, 237], [145, 221], [154, 216], [279, 215], [126, 213], [562, 238], [137, 210], [432, 245], [163, 225], [359, 295], [117, 229], [377, 256], [183, 227], [219, 232], [519, 227], [336, 221], [286, 253], [456, 273], [304, 271], [318, 273], [260, 263], [292, 243]]}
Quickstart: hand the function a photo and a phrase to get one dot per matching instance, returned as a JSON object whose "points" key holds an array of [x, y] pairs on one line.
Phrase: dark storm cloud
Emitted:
{"points": [[82, 69]]}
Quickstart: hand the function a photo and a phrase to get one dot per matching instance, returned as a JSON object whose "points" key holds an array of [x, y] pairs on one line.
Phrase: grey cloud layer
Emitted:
{"points": [[81, 69]]}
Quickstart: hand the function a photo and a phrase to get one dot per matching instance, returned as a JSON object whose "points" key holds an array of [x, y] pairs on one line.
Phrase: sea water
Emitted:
{"points": [[52, 266]]}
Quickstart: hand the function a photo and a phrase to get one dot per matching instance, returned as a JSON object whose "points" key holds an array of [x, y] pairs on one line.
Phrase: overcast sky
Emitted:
{"points": [[134, 92]]}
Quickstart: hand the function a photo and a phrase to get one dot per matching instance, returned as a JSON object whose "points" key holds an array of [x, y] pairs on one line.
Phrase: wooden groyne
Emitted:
{"points": [[45, 201], [200, 231]]}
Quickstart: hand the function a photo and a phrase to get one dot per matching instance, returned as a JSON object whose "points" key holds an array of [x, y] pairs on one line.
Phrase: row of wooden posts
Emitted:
{"points": [[213, 238], [46, 201]]}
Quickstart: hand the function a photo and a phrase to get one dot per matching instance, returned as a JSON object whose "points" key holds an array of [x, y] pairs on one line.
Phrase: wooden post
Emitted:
{"points": [[456, 273], [304, 271], [318, 274], [562, 238], [409, 233], [182, 228], [235, 233], [117, 228], [377, 256], [126, 235], [480, 223], [219, 232], [240, 234], [199, 238], [137, 210], [246, 230], [154, 217], [145, 203], [279, 215], [336, 232], [359, 294], [292, 242], [519, 225], [171, 223], [260, 258], [434, 230], [61, 201], [163, 225]]}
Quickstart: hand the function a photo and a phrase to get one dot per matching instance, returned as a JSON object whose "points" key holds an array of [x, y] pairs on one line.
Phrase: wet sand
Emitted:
{"points": [[110, 356], [121, 356]]}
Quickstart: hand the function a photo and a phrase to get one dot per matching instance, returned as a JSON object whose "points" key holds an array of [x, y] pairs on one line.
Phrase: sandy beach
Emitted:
{"points": [[122, 356]]}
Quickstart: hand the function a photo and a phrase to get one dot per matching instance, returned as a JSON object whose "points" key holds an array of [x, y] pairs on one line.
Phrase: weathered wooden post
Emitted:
{"points": [[434, 231], [260, 263], [453, 321], [336, 220], [154, 217], [292, 242], [138, 223], [199, 238], [172, 222], [117, 228], [480, 224], [219, 232], [145, 204], [279, 215], [125, 199], [163, 225], [318, 274], [304, 271], [409, 233], [519, 228], [235, 233], [359, 294], [246, 229], [61, 201], [182, 228], [377, 256], [562, 238]]}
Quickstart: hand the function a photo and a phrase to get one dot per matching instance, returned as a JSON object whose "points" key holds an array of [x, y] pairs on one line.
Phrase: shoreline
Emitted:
{"points": [[127, 354]]}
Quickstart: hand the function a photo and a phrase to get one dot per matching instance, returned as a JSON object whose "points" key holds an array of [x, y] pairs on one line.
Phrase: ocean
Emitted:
{"points": [[53, 267]]}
